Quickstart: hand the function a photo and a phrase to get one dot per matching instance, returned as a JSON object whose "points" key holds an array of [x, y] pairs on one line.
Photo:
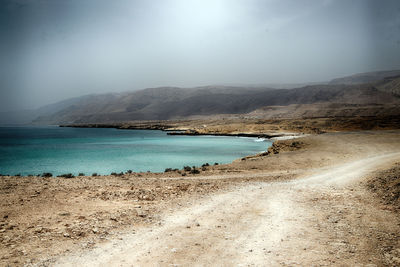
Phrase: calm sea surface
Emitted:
{"points": [[34, 150]]}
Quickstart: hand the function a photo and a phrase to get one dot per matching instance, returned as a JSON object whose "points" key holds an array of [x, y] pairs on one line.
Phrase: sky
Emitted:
{"points": [[51, 50]]}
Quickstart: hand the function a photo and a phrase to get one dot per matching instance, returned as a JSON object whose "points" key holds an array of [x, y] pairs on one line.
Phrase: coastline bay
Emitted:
{"points": [[35, 150]]}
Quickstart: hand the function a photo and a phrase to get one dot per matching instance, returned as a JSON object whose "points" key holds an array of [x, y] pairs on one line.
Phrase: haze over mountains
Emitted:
{"points": [[366, 94]]}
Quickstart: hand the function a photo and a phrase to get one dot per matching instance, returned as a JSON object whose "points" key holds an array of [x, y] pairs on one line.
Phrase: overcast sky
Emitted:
{"points": [[55, 49]]}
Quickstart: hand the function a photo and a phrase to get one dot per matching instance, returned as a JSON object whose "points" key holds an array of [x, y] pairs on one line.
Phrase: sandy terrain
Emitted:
{"points": [[311, 201], [256, 224]]}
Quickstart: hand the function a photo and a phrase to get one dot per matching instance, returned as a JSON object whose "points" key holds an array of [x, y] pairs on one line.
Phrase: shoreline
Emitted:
{"points": [[53, 218], [195, 133], [173, 130], [180, 171]]}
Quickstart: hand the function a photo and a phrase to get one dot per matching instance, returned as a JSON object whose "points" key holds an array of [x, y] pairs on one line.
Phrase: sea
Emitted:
{"points": [[60, 150]]}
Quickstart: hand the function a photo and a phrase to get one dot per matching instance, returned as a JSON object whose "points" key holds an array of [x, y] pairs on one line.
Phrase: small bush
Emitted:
{"points": [[187, 168], [216, 163], [66, 175], [94, 174], [81, 174], [194, 171], [18, 175], [30, 175], [168, 170], [47, 174], [129, 171], [114, 174], [205, 165]]}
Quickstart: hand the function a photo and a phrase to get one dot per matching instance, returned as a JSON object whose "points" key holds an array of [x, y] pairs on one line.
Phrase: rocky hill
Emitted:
{"points": [[366, 77], [176, 103]]}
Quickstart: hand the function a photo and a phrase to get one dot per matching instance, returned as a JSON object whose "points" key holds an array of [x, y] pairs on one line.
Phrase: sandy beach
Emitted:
{"points": [[313, 200]]}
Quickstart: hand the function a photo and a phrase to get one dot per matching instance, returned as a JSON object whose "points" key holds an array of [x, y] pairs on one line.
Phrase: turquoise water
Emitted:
{"points": [[34, 150]]}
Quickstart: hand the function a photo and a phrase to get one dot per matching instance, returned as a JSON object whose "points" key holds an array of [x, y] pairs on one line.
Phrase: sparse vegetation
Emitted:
{"points": [[129, 171], [47, 174], [204, 166], [187, 168], [194, 170], [66, 175], [168, 170], [81, 174], [94, 174]]}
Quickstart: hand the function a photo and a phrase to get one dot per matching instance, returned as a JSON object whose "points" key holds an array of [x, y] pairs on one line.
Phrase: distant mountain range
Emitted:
{"points": [[360, 90], [367, 77]]}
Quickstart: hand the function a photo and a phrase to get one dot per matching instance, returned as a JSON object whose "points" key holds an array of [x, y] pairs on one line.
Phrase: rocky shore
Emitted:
{"points": [[195, 133], [171, 129], [136, 126], [252, 127]]}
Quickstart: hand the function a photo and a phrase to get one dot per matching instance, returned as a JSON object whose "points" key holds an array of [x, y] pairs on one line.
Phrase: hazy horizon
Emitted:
{"points": [[54, 50]]}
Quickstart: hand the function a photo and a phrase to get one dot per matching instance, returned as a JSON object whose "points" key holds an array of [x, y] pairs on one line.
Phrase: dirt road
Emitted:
{"points": [[324, 218]]}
